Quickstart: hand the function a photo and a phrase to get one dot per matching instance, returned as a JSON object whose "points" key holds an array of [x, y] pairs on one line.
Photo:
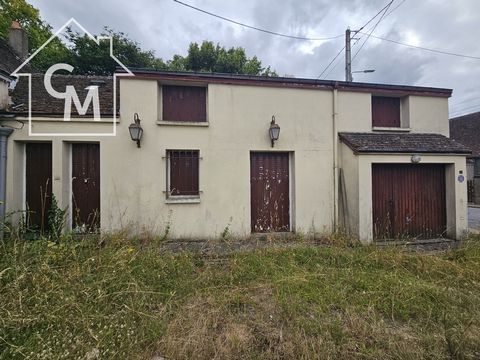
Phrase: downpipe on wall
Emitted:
{"points": [[4, 134], [335, 157]]}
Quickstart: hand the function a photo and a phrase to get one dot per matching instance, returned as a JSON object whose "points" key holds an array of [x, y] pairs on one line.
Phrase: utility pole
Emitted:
{"points": [[348, 57]]}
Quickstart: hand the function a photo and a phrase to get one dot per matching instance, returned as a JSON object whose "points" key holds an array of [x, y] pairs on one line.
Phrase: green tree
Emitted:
{"points": [[208, 57], [37, 30], [90, 58]]}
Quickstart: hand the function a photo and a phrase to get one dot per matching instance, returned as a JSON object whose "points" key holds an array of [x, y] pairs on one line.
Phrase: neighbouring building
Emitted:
{"points": [[466, 130], [373, 159], [11, 56]]}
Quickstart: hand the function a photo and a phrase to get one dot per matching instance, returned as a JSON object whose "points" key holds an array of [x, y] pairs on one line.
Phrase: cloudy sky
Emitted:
{"points": [[168, 27]]}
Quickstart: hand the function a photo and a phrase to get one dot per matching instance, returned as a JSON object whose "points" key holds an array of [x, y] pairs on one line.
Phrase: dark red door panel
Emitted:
{"points": [[270, 188], [86, 186], [38, 184], [408, 200]]}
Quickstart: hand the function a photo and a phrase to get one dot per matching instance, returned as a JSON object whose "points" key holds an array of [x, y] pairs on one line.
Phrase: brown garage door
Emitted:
{"points": [[269, 181], [38, 184], [408, 200], [86, 186]]}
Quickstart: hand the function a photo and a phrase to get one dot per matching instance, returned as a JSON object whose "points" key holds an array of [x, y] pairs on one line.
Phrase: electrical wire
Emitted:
{"points": [[395, 8], [330, 63], [424, 48], [256, 28], [466, 109], [373, 29], [463, 113], [385, 8], [458, 107], [369, 21]]}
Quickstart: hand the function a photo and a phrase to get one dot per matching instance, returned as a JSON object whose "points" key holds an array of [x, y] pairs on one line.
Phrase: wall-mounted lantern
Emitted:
{"points": [[136, 130], [274, 130]]}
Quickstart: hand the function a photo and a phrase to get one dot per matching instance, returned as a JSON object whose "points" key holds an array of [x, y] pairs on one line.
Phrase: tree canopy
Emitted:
{"points": [[89, 58]]}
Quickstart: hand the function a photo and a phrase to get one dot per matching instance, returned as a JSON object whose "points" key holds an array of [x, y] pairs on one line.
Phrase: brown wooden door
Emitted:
{"points": [[408, 200], [38, 184], [86, 186], [270, 188]]}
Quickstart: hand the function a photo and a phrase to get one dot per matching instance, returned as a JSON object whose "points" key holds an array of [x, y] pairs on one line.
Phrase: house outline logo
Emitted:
{"points": [[70, 94]]}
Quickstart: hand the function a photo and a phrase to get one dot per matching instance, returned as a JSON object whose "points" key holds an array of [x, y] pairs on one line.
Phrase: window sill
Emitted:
{"points": [[391, 129], [183, 123], [183, 200]]}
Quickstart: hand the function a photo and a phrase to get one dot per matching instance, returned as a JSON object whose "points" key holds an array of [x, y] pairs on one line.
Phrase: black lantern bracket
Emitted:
{"points": [[274, 131], [135, 129]]}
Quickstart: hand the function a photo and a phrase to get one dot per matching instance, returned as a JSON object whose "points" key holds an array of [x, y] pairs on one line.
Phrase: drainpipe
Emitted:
{"points": [[4, 134], [335, 155]]}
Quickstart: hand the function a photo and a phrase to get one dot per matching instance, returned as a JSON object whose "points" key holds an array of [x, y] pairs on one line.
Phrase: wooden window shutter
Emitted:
{"points": [[183, 172], [184, 103], [385, 111]]}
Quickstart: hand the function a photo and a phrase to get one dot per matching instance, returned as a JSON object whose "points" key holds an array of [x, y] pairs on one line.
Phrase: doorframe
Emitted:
{"points": [[70, 187], [70, 175], [24, 178], [291, 187]]}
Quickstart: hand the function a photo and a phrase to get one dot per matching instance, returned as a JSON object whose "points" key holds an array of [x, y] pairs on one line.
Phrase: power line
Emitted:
{"points": [[330, 63], [463, 113], [467, 100], [355, 32], [460, 106], [369, 21], [395, 8], [424, 48], [256, 28], [468, 108], [373, 29]]}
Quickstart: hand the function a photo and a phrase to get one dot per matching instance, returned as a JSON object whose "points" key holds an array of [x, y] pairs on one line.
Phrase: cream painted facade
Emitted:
{"points": [[134, 182]]}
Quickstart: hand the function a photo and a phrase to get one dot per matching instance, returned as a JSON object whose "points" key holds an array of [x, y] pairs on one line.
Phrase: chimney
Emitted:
{"points": [[18, 41]]}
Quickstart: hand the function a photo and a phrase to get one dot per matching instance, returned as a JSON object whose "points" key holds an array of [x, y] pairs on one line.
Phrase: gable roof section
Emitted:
{"points": [[402, 143], [466, 130], [9, 61], [45, 105], [255, 80]]}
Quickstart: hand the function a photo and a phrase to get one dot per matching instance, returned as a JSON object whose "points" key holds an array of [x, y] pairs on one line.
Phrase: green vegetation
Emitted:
{"points": [[78, 50], [122, 298]]}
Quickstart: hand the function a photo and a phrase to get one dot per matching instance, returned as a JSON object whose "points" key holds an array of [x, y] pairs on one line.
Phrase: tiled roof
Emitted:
{"points": [[402, 143], [9, 61], [44, 104], [466, 130]]}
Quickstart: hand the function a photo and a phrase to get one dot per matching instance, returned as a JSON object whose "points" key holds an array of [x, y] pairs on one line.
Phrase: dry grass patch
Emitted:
{"points": [[123, 298]]}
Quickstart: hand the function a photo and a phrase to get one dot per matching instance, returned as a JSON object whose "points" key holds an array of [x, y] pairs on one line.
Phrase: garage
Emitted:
{"points": [[408, 201]]}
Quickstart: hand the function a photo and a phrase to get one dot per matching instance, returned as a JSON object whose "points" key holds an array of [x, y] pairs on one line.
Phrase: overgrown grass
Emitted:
{"points": [[124, 299]]}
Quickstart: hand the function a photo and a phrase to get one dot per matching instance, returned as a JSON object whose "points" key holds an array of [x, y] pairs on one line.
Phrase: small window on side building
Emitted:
{"points": [[183, 172], [184, 103], [385, 111], [476, 168]]}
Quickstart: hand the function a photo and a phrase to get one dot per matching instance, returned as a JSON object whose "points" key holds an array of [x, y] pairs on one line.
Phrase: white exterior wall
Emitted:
{"points": [[133, 180]]}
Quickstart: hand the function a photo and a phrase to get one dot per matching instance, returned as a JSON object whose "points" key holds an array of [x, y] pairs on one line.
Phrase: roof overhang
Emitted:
{"points": [[401, 143], [269, 81]]}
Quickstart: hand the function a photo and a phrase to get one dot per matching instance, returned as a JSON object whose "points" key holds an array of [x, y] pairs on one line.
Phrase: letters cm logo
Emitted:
{"points": [[70, 95]]}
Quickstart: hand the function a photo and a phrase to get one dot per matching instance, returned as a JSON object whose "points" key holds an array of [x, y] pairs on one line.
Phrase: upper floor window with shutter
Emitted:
{"points": [[385, 111], [184, 103]]}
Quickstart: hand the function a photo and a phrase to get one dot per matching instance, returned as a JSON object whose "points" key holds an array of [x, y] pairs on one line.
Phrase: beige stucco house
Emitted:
{"points": [[374, 160]]}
